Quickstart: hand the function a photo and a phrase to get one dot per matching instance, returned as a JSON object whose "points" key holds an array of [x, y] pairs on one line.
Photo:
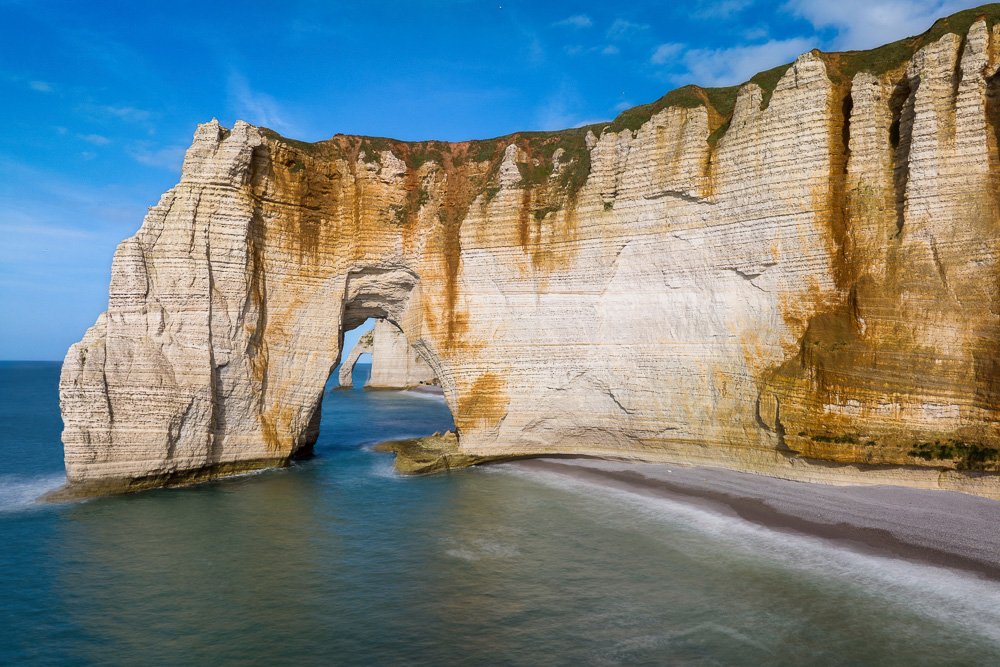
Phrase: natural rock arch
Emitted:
{"points": [[748, 287], [395, 364], [364, 345]]}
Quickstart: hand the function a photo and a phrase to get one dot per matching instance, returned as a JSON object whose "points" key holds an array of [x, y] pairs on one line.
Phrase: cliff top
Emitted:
{"points": [[574, 159], [842, 65]]}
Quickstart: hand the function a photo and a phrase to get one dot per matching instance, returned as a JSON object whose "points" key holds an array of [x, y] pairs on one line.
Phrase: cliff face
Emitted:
{"points": [[395, 365], [797, 278]]}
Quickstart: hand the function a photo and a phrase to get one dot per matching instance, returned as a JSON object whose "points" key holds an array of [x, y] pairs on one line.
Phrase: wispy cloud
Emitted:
{"points": [[112, 112], [863, 24], [665, 53], [755, 33], [30, 228], [730, 66], [712, 9], [40, 86], [167, 157], [622, 29], [258, 108], [96, 139], [128, 113], [576, 21], [579, 50], [556, 111]]}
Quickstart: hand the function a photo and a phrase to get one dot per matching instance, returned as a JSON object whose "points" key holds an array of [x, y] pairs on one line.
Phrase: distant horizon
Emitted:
{"points": [[99, 113]]}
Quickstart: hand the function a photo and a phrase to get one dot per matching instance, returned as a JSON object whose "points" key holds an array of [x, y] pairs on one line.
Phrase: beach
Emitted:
{"points": [[940, 528]]}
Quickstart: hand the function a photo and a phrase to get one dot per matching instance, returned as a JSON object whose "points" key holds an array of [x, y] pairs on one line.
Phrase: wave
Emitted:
{"points": [[19, 492], [950, 596]]}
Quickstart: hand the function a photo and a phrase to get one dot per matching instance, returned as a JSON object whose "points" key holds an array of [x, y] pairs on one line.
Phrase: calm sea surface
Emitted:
{"points": [[337, 560]]}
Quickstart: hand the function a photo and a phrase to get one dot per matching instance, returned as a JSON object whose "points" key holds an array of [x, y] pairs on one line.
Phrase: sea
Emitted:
{"points": [[338, 560]]}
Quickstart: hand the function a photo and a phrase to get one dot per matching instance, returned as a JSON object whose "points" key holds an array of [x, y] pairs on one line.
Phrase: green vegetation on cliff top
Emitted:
{"points": [[541, 146]]}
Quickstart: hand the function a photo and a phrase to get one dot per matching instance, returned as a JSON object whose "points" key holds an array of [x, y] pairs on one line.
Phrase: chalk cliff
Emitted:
{"points": [[796, 277], [395, 365], [363, 346]]}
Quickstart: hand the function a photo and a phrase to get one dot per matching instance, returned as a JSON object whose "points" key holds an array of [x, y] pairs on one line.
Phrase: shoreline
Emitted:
{"points": [[939, 528], [430, 389]]}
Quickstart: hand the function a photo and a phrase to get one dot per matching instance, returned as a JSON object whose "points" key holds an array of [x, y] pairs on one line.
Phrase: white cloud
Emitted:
{"points": [[258, 108], [576, 21], [580, 50], [556, 111], [864, 24], [624, 104], [727, 67], [711, 9], [125, 113], [665, 53], [40, 86], [95, 139], [622, 29], [31, 228], [168, 157], [755, 33]]}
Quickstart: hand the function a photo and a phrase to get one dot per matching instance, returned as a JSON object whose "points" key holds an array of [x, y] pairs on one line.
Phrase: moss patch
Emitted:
{"points": [[966, 455]]}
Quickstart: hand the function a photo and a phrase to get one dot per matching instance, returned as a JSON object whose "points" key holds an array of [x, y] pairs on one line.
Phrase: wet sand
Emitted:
{"points": [[941, 528]]}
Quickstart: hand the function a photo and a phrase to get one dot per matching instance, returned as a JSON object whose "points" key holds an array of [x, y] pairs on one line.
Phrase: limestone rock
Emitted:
{"points": [[363, 346], [798, 279], [395, 365]]}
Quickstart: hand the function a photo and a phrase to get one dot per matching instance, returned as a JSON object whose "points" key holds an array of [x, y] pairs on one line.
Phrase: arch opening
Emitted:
{"points": [[380, 316], [356, 350]]}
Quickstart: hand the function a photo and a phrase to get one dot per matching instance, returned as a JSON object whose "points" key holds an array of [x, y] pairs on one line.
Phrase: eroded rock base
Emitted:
{"points": [[120, 485], [433, 453]]}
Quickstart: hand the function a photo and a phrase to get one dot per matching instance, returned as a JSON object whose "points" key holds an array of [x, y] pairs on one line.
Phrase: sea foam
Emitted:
{"points": [[949, 596], [21, 491]]}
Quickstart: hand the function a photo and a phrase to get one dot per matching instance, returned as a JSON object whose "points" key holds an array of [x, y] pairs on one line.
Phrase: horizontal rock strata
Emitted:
{"points": [[798, 277]]}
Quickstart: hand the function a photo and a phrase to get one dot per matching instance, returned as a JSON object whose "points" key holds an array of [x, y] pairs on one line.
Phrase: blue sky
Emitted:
{"points": [[101, 99]]}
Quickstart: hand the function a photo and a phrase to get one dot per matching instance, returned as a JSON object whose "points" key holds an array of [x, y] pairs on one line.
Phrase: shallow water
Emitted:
{"points": [[337, 560]]}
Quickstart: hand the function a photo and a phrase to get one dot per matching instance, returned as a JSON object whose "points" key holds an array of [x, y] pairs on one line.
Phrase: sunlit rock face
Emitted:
{"points": [[395, 365], [798, 278]]}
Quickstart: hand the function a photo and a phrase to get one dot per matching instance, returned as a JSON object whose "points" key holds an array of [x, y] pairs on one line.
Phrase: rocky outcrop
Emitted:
{"points": [[796, 277], [395, 365]]}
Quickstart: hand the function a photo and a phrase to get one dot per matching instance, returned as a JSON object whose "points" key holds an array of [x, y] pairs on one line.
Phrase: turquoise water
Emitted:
{"points": [[337, 560]]}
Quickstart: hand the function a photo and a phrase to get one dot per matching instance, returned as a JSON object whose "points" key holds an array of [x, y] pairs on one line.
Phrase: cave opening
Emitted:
{"points": [[354, 364], [382, 387]]}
